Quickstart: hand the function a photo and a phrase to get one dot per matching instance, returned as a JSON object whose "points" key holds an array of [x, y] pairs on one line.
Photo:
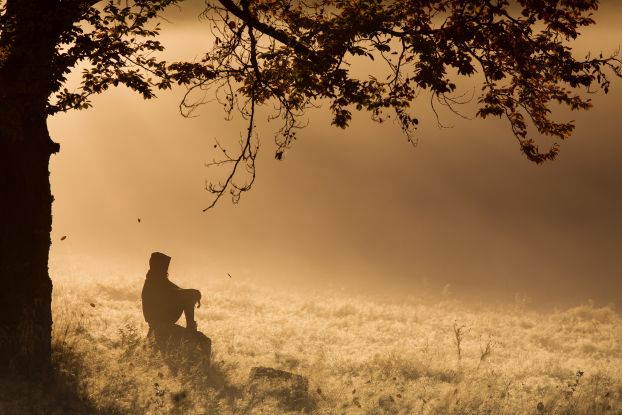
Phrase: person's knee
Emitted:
{"points": [[190, 297]]}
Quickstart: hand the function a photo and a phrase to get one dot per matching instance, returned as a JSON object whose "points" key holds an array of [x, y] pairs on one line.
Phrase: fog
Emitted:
{"points": [[463, 213]]}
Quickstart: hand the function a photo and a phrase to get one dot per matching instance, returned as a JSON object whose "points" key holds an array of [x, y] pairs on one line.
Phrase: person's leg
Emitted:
{"points": [[187, 303], [189, 313]]}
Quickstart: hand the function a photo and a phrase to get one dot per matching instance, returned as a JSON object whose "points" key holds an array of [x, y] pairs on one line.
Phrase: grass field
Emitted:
{"points": [[360, 356]]}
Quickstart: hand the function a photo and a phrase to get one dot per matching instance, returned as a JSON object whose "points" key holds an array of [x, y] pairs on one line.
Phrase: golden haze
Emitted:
{"points": [[358, 209]]}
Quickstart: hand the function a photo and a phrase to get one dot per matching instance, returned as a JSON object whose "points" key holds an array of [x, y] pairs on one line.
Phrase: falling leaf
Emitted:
{"points": [[62, 238], [138, 220], [92, 305], [229, 275]]}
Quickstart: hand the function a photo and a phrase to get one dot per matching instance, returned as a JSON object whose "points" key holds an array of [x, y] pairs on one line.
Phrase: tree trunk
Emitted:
{"points": [[26, 222], [27, 48]]}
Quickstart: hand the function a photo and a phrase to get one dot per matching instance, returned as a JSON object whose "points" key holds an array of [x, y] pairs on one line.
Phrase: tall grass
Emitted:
{"points": [[360, 355]]}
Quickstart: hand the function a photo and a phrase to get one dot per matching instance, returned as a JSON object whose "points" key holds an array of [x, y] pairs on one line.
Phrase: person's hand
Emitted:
{"points": [[196, 297]]}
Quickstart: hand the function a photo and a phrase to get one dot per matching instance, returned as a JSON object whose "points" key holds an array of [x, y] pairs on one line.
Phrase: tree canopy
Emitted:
{"points": [[298, 54]]}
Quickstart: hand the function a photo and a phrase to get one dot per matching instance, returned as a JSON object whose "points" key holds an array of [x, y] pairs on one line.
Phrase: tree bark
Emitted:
{"points": [[25, 223], [27, 50]]}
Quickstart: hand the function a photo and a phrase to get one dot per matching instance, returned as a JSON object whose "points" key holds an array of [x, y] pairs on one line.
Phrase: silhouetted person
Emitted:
{"points": [[163, 304], [163, 301]]}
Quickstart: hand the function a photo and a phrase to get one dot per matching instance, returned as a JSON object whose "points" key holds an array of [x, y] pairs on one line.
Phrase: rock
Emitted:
{"points": [[178, 340], [289, 389]]}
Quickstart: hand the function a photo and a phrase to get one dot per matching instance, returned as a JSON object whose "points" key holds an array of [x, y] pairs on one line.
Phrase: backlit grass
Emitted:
{"points": [[360, 355]]}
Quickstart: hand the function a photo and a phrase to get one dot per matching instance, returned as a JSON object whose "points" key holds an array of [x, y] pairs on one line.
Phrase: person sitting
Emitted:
{"points": [[164, 302]]}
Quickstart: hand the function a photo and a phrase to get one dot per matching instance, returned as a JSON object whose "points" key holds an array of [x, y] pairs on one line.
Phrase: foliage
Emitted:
{"points": [[298, 52], [116, 42], [295, 55]]}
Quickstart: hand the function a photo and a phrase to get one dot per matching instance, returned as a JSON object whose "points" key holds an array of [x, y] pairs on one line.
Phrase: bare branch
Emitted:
{"points": [[246, 156]]}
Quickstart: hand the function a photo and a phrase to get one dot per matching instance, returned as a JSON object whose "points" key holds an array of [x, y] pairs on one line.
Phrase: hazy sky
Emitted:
{"points": [[356, 209]]}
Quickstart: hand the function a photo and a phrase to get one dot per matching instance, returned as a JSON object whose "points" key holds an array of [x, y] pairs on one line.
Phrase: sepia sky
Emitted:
{"points": [[358, 209]]}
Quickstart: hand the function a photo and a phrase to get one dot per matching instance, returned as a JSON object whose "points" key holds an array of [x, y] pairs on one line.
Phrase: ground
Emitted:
{"points": [[361, 355]]}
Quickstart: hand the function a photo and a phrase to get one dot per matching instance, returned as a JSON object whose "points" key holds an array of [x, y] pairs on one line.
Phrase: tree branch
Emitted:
{"points": [[274, 33]]}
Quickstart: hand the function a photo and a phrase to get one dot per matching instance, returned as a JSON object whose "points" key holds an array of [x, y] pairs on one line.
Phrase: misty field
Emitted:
{"points": [[360, 356]]}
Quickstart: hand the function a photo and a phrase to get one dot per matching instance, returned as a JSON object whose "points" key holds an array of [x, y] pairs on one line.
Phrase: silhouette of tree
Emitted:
{"points": [[286, 53]]}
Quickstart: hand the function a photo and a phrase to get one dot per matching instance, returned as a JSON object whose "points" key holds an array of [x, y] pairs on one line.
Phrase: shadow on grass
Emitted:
{"points": [[63, 390], [189, 356], [55, 393]]}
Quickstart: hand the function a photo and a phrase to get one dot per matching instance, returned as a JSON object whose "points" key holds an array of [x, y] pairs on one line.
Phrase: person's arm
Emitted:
{"points": [[170, 285], [194, 295]]}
